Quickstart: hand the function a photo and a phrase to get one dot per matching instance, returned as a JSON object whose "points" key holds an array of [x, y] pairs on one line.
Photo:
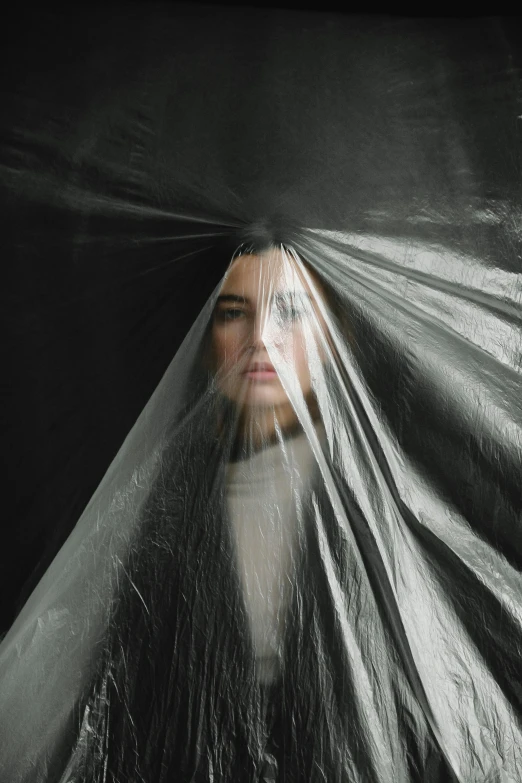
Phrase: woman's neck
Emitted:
{"points": [[265, 425], [258, 428]]}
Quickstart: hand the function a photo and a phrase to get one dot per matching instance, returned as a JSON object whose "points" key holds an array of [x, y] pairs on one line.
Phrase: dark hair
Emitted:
{"points": [[176, 696], [176, 689], [262, 234]]}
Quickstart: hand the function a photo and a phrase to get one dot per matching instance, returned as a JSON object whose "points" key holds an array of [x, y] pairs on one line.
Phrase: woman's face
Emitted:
{"points": [[266, 314]]}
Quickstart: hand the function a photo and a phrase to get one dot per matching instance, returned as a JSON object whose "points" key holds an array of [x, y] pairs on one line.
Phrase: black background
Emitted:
{"points": [[116, 120]]}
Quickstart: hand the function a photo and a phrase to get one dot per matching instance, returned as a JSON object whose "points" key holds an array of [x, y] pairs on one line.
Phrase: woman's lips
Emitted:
{"points": [[261, 375], [261, 372]]}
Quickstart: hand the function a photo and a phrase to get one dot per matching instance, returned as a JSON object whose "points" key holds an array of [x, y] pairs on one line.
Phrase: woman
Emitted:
{"points": [[261, 603], [228, 660]]}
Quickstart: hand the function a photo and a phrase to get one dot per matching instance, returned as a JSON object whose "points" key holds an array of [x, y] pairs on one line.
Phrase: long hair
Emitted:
{"points": [[176, 697]]}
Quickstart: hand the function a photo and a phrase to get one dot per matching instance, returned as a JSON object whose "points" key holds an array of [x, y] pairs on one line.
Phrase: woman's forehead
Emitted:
{"points": [[263, 274]]}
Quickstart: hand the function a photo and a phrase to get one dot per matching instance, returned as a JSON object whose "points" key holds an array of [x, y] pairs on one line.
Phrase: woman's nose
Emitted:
{"points": [[258, 336], [262, 329]]}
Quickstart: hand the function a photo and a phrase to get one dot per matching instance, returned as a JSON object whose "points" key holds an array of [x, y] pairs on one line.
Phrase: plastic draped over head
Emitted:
{"points": [[281, 568]]}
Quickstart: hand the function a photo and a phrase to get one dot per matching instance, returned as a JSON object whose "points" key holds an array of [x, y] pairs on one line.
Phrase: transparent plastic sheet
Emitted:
{"points": [[271, 582], [322, 584]]}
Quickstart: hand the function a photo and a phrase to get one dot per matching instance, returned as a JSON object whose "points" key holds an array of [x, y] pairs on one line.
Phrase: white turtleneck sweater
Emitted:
{"points": [[264, 494]]}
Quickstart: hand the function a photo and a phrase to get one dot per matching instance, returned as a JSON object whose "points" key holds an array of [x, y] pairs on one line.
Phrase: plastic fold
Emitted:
{"points": [[290, 572]]}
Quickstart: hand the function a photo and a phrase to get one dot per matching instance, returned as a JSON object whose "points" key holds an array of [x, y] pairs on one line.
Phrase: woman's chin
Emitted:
{"points": [[256, 395], [262, 399], [259, 398]]}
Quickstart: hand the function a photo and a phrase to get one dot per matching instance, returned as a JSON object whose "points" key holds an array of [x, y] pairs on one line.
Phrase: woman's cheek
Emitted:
{"points": [[230, 351], [301, 361]]}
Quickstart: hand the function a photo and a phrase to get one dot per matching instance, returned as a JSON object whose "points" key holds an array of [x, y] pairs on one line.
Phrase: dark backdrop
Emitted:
{"points": [[120, 126]]}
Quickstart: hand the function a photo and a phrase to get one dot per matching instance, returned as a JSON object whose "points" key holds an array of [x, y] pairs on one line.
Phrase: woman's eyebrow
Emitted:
{"points": [[287, 296], [232, 298], [284, 296]]}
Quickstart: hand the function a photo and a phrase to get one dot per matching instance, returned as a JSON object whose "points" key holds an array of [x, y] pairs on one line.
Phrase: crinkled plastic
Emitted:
{"points": [[304, 562]]}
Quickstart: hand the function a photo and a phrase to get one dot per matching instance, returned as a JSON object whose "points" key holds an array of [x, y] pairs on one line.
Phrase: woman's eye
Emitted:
{"points": [[231, 314], [290, 313]]}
